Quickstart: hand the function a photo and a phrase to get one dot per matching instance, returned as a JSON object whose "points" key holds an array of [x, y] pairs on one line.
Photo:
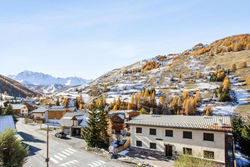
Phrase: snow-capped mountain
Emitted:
{"points": [[46, 83]]}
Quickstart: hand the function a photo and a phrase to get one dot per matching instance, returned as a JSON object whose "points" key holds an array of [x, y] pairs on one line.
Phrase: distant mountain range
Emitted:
{"points": [[46, 83]]}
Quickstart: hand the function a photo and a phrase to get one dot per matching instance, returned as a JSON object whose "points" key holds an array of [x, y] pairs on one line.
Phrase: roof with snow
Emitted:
{"points": [[17, 106], [60, 108], [125, 113], [214, 123], [40, 110], [69, 117], [7, 122]]}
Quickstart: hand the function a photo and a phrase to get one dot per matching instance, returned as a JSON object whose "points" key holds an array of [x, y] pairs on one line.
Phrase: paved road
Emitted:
{"points": [[63, 153]]}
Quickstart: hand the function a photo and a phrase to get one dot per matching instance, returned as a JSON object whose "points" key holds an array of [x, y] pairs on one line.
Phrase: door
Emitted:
{"points": [[168, 150]]}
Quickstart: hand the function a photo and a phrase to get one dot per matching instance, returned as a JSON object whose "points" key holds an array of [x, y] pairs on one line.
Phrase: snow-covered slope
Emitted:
{"points": [[46, 83], [37, 78]]}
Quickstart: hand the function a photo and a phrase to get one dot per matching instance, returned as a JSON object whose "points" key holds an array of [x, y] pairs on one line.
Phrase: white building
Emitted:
{"points": [[40, 114], [206, 137], [20, 109]]}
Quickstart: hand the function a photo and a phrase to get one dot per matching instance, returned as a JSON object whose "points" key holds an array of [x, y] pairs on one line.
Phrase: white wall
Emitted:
{"points": [[197, 143]]}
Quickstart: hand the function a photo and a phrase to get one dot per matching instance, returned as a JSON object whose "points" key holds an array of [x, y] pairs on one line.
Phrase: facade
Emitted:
{"points": [[55, 113], [118, 118], [20, 109], [40, 114], [206, 137], [73, 122]]}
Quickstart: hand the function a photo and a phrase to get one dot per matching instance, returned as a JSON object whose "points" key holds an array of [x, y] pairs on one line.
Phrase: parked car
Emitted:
{"points": [[61, 135]]}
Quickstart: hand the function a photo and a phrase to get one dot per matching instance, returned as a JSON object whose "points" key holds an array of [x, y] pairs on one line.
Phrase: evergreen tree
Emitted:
{"points": [[57, 102], [245, 138], [12, 152], [91, 133], [76, 104], [237, 126], [103, 126]]}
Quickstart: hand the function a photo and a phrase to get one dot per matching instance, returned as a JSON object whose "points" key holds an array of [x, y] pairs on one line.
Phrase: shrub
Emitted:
{"points": [[234, 67], [243, 65], [248, 80]]}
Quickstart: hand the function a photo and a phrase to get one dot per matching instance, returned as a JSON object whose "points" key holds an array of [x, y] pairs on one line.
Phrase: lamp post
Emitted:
{"points": [[47, 159]]}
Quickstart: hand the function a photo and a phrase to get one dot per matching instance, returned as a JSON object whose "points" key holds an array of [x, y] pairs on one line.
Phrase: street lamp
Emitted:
{"points": [[47, 159]]}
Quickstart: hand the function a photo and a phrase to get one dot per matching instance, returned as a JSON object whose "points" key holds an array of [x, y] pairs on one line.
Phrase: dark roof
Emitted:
{"points": [[215, 123], [6, 122]]}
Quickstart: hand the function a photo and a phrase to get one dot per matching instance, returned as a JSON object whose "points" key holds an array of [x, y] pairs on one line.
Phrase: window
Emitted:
{"points": [[208, 136], [187, 151], [138, 130], [153, 145], [152, 131], [209, 154], [187, 135], [169, 133], [138, 143]]}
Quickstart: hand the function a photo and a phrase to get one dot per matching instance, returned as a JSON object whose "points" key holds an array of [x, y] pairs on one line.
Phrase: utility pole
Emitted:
{"points": [[47, 159]]}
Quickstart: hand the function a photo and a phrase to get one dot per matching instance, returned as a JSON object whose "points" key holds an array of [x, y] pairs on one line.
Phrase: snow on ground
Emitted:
{"points": [[242, 96], [123, 152]]}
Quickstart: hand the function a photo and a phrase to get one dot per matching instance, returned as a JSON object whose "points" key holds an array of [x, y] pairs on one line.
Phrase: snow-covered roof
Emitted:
{"points": [[17, 106], [6, 122], [40, 110]]}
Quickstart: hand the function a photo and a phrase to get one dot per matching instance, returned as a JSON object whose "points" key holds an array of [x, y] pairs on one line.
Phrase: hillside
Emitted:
{"points": [[14, 88], [173, 74]]}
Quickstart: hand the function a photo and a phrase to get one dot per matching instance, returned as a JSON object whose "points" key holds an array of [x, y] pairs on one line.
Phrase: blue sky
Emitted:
{"points": [[88, 38]]}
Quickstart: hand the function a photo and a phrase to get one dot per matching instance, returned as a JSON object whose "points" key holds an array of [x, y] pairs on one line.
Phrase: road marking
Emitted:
{"points": [[71, 152], [55, 161], [102, 161], [96, 163], [72, 149], [65, 153], [56, 156], [69, 163], [62, 155]]}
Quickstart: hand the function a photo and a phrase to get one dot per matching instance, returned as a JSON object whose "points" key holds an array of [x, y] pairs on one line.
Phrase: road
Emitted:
{"points": [[63, 153]]}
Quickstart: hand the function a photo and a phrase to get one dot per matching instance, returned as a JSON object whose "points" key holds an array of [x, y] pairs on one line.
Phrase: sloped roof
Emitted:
{"points": [[123, 112], [66, 120], [216, 123], [40, 110], [17, 106], [6, 122], [60, 108]]}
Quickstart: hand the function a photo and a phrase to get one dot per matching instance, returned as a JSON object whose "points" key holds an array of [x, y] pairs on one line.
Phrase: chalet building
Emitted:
{"points": [[118, 118], [55, 113], [206, 137], [73, 122], [40, 114], [20, 109]]}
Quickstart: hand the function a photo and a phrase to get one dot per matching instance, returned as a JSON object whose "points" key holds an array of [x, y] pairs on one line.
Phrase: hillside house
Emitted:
{"points": [[118, 118], [40, 114], [172, 135], [20, 109], [73, 122], [55, 113]]}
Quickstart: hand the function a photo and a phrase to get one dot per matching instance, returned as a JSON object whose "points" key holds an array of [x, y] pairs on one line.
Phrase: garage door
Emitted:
{"points": [[66, 131]]}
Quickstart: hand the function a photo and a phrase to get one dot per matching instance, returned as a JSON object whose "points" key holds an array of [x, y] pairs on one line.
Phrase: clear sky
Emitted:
{"points": [[88, 38]]}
